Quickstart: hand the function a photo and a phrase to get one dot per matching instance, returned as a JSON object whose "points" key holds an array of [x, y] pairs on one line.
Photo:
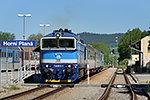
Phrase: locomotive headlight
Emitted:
{"points": [[46, 66], [50, 66], [69, 66], [65, 66], [58, 34]]}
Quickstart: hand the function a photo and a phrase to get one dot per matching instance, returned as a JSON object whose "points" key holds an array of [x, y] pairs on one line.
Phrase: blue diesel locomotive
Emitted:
{"points": [[63, 57]]}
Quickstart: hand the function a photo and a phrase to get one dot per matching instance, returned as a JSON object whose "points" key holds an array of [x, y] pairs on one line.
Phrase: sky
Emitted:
{"points": [[96, 16]]}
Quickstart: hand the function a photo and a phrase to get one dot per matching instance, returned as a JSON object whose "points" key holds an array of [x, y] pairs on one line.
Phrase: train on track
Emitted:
{"points": [[13, 55], [64, 56]]}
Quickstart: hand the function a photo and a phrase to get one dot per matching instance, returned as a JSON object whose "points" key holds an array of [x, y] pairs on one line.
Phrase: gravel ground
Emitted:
{"points": [[35, 94], [5, 89], [77, 93]]}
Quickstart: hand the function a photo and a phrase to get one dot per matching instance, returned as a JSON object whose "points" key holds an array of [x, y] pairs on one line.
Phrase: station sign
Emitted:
{"points": [[18, 43]]}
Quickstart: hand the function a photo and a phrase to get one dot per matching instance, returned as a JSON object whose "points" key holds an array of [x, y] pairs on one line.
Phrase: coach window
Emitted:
{"points": [[11, 54], [88, 53], [16, 57], [92, 57], [2, 54]]}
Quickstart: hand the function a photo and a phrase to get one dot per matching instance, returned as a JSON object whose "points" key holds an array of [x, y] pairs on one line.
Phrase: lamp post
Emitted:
{"points": [[131, 42], [117, 50], [44, 25], [24, 15]]}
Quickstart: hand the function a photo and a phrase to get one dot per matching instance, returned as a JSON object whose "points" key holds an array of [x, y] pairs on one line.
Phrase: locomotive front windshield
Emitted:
{"points": [[61, 43]]}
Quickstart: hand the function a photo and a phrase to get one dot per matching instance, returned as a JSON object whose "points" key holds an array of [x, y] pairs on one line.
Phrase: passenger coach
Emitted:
{"points": [[13, 55]]}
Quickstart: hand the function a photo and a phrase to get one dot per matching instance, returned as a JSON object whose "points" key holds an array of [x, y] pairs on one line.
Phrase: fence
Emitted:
{"points": [[9, 76]]}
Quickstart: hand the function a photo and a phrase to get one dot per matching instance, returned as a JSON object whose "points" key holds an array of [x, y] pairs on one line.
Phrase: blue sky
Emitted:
{"points": [[98, 16]]}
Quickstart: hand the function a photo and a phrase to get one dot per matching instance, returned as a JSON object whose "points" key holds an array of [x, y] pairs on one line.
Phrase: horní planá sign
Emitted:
{"points": [[18, 43]]}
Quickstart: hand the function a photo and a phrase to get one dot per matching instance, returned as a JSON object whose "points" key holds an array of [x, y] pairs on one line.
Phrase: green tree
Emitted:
{"points": [[35, 37], [125, 41], [144, 33], [102, 47], [7, 36]]}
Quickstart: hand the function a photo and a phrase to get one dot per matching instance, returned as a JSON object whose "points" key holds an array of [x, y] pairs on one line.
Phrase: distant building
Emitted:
{"points": [[142, 46]]}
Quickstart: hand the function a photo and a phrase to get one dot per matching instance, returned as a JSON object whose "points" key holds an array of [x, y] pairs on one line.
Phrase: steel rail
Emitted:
{"points": [[133, 95], [50, 93], [107, 90], [23, 93]]}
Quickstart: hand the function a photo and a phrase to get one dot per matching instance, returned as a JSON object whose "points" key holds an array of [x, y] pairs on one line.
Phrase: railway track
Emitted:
{"points": [[34, 94], [118, 93], [39, 92]]}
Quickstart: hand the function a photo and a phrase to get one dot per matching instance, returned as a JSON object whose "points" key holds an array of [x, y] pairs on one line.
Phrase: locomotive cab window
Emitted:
{"points": [[49, 43], [69, 43], [62, 43]]}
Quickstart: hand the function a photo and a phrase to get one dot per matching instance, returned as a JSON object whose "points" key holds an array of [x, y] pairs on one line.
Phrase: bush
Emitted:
{"points": [[124, 61]]}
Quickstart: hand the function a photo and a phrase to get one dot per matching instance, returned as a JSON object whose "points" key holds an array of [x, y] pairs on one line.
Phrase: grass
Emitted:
{"points": [[121, 65], [11, 87], [5, 87], [14, 87], [3, 91]]}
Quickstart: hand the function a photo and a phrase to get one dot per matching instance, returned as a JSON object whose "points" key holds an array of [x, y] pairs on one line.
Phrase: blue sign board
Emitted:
{"points": [[18, 43]]}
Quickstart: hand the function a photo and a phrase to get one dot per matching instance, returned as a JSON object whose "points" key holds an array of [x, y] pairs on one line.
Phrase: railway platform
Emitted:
{"points": [[142, 78], [34, 78]]}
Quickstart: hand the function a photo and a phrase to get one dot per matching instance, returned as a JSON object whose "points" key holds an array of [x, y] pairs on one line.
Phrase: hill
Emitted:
{"points": [[108, 39], [105, 38]]}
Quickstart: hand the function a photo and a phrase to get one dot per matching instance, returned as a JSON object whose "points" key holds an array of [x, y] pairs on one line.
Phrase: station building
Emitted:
{"points": [[143, 47]]}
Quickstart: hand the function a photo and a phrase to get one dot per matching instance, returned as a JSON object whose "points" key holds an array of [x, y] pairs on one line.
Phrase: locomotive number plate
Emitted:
{"points": [[57, 80], [57, 60]]}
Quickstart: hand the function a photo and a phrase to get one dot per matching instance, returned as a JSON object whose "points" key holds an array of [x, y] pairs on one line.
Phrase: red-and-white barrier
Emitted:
{"points": [[88, 76]]}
